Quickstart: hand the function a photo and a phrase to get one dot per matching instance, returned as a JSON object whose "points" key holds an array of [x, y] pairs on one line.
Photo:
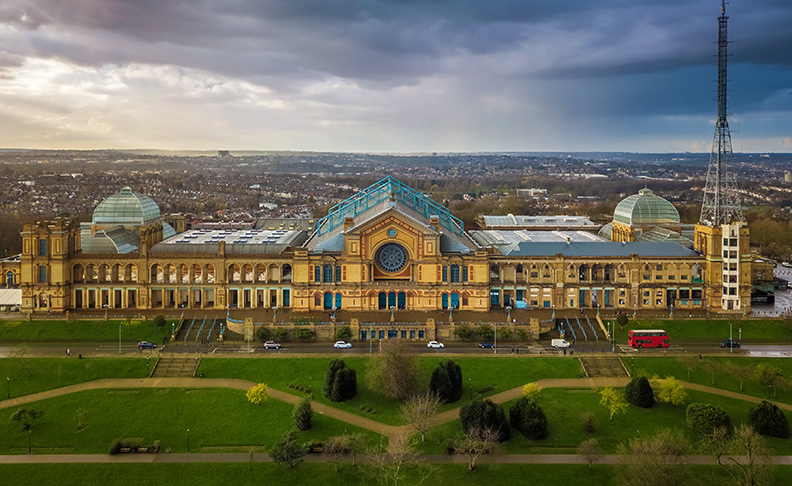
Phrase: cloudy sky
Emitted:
{"points": [[391, 75]]}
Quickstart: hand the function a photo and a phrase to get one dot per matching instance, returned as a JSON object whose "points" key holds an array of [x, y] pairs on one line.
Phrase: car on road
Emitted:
{"points": [[729, 343], [342, 345], [146, 345], [272, 345], [786, 264], [435, 345], [486, 344]]}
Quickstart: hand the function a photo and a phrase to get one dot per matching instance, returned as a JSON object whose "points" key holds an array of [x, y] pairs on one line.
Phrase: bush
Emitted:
{"points": [[263, 333], [344, 332], [482, 414], [705, 418], [446, 382], [768, 420], [160, 321], [304, 334], [279, 334], [287, 452], [622, 320], [639, 392], [485, 332], [528, 418], [589, 423], [463, 332], [504, 333], [132, 443], [303, 414], [258, 393], [523, 334]]}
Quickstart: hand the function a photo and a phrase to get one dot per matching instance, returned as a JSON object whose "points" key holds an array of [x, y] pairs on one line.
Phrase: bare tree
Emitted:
{"points": [[419, 410], [336, 446], [743, 455], [689, 362], [590, 450], [19, 357], [654, 461], [479, 442], [395, 371], [742, 373], [393, 465], [712, 367]]}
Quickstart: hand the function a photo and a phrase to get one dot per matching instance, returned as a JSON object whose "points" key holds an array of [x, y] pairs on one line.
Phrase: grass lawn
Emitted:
{"points": [[701, 373], [322, 474], [699, 330], [59, 330], [565, 408], [49, 373], [220, 420], [489, 375]]}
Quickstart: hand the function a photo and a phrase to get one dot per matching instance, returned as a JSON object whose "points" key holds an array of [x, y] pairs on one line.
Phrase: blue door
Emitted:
{"points": [[455, 300], [607, 298], [401, 300], [383, 300], [507, 300], [338, 301], [582, 298], [445, 301], [9, 279], [328, 300], [495, 297], [391, 299]]}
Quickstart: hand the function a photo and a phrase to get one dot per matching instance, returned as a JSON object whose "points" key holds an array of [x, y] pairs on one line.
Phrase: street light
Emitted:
{"points": [[632, 366], [392, 308], [508, 313], [8, 390], [334, 309], [147, 366], [496, 338], [188, 441], [470, 385], [275, 313]]}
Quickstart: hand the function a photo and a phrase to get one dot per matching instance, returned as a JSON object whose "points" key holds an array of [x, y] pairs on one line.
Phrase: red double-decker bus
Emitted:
{"points": [[647, 338]]}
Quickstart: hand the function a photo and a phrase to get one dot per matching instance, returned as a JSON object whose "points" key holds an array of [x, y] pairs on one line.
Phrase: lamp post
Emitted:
{"points": [[392, 308], [470, 386], [508, 313], [495, 348], [147, 366], [371, 335], [8, 389], [274, 313], [188, 441], [731, 341], [334, 309], [632, 366], [310, 392]]}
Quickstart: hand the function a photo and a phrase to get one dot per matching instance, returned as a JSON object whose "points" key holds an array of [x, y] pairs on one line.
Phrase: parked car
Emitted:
{"points": [[146, 345], [272, 345], [786, 264], [342, 345], [559, 343], [730, 343], [486, 344], [435, 345]]}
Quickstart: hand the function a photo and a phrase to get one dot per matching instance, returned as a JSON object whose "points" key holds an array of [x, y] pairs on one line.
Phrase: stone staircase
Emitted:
{"points": [[603, 367], [171, 367]]}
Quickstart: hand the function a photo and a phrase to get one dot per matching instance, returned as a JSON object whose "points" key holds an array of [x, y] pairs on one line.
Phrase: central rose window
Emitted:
{"points": [[391, 257]]}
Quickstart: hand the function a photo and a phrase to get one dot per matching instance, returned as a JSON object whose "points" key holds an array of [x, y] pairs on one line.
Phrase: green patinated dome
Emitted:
{"points": [[126, 207], [646, 209]]}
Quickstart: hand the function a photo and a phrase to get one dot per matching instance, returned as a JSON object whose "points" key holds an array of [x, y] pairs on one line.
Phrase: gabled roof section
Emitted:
{"points": [[388, 188]]}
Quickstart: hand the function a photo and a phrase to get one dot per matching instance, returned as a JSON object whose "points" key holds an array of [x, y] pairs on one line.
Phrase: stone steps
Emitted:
{"points": [[603, 367], [175, 368]]}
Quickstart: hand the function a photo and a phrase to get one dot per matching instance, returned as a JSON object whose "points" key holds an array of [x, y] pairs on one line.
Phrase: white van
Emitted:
{"points": [[559, 343]]}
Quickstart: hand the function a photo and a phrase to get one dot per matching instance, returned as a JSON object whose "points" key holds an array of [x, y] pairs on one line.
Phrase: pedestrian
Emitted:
{"points": [[68, 352]]}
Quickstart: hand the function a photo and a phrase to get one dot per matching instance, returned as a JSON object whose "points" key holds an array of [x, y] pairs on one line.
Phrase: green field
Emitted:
{"points": [[59, 330], [712, 331], [32, 375], [219, 419], [322, 474], [725, 376], [564, 409], [492, 374]]}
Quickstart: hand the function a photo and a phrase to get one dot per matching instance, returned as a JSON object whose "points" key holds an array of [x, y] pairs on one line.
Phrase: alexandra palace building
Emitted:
{"points": [[388, 246]]}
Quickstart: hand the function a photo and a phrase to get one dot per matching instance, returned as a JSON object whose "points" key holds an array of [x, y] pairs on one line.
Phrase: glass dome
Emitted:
{"points": [[126, 207], [645, 208]]}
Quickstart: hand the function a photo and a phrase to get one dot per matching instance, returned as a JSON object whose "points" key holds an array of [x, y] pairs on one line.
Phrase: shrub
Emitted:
{"points": [[303, 414], [639, 392], [485, 332], [589, 423], [484, 414], [258, 393], [463, 332], [332, 369], [304, 334], [532, 390], [279, 334], [132, 443], [504, 333], [263, 333], [159, 321], [523, 334], [343, 332], [622, 320], [287, 452], [705, 418], [528, 418], [446, 382], [767, 419]]}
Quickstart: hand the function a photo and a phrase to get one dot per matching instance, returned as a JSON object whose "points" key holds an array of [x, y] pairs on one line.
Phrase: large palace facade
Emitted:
{"points": [[388, 246]]}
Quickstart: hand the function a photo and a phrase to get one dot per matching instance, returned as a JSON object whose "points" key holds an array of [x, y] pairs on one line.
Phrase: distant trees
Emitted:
{"points": [[446, 382]]}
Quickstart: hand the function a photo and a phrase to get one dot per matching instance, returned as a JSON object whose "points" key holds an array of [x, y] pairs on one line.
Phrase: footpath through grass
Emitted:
{"points": [[60, 330], [713, 330], [219, 419], [565, 409], [32, 375], [484, 376], [322, 474], [725, 373]]}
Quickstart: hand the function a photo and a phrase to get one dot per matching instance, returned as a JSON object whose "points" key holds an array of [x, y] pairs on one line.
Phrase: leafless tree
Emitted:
{"points": [[743, 455], [689, 362], [479, 442], [19, 356], [336, 447], [740, 372], [397, 464], [654, 461], [419, 410], [395, 371], [590, 450]]}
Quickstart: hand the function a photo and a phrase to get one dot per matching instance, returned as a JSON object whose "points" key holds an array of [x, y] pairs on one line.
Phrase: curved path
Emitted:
{"points": [[389, 431]]}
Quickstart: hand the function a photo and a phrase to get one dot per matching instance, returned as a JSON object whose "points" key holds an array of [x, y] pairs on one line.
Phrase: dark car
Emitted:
{"points": [[272, 345], [486, 344], [146, 345], [730, 343]]}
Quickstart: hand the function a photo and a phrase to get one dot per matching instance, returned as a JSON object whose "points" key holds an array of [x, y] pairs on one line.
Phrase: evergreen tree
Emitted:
{"points": [[446, 382], [303, 414], [330, 377], [528, 418], [639, 392], [344, 386], [767, 419], [481, 415]]}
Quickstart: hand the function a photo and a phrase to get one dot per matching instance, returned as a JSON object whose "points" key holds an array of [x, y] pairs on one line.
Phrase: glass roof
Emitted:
{"points": [[126, 207], [645, 208]]}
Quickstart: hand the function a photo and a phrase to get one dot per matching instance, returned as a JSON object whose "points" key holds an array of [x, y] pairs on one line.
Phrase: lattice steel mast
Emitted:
{"points": [[721, 203]]}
